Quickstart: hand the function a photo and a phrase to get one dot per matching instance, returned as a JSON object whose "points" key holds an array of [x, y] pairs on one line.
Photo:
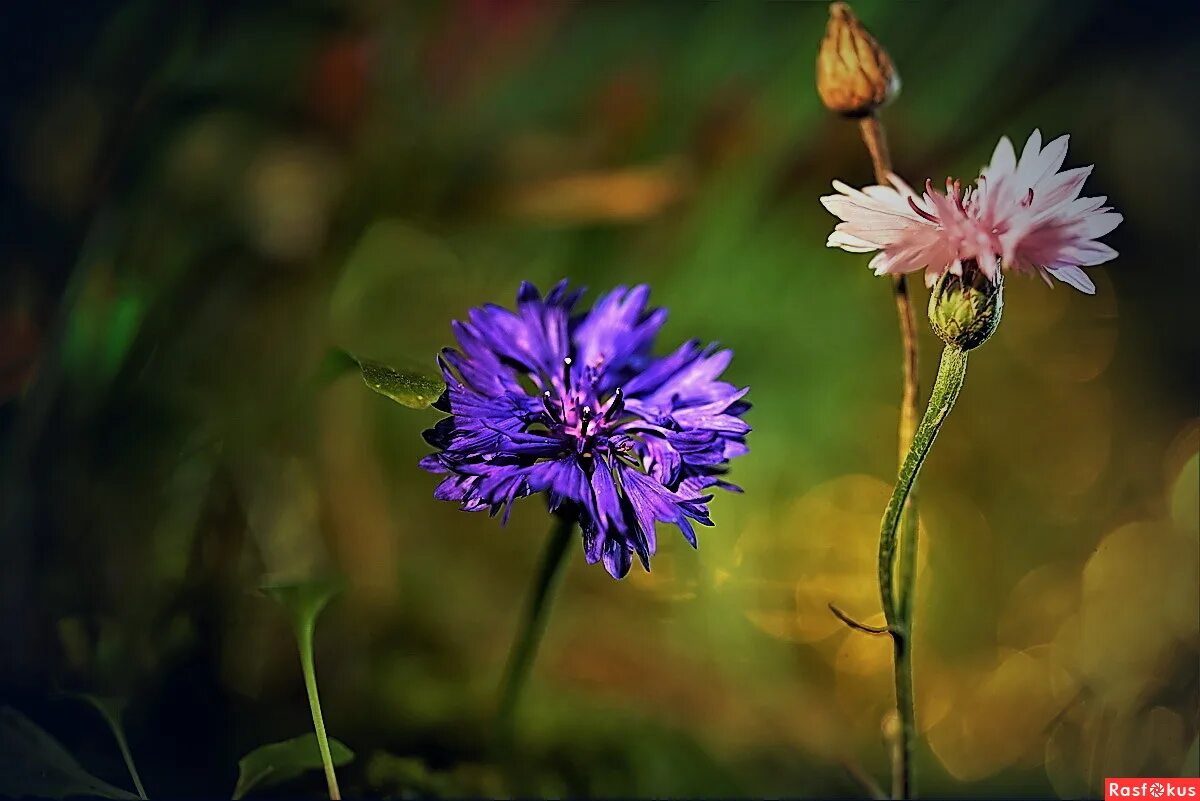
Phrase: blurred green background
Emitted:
{"points": [[201, 199]]}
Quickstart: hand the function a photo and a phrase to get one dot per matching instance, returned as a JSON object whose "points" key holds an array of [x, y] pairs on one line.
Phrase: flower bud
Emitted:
{"points": [[964, 310], [855, 76]]}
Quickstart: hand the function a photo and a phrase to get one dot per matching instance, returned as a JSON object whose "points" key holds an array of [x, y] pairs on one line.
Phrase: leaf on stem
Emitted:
{"points": [[280, 762], [411, 387], [303, 601], [856, 625], [112, 709]]}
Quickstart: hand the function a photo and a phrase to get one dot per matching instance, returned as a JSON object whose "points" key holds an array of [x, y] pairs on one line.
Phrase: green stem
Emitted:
{"points": [[537, 612], [952, 370], [304, 639]]}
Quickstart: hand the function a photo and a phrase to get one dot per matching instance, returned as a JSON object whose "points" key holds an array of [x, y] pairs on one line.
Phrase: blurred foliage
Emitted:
{"points": [[203, 200], [35, 764]]}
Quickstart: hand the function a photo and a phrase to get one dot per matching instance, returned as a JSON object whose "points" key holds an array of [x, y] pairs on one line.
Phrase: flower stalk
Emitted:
{"points": [[304, 639], [533, 625], [952, 371]]}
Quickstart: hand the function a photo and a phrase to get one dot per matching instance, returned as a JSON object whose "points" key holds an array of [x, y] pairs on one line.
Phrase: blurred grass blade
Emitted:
{"points": [[411, 778], [35, 764], [112, 710], [280, 762]]}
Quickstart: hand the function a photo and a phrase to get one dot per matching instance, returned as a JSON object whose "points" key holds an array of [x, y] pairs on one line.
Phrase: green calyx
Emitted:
{"points": [[965, 310]]}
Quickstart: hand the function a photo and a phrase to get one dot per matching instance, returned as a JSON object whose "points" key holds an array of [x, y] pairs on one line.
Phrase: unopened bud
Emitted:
{"points": [[965, 310], [855, 76]]}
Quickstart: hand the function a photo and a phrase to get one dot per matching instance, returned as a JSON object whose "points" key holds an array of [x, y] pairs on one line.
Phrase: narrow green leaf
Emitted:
{"points": [[112, 709], [280, 762], [410, 388], [35, 764]]}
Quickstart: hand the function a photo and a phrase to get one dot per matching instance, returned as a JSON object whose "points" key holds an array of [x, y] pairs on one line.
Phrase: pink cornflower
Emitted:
{"points": [[1021, 215]]}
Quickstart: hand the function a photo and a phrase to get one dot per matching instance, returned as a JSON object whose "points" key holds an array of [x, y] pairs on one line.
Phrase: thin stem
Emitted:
{"points": [[952, 370], [875, 138], [903, 784], [304, 639], [533, 625]]}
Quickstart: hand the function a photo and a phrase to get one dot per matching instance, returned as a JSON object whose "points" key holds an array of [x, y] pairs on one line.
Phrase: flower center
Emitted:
{"points": [[573, 410]]}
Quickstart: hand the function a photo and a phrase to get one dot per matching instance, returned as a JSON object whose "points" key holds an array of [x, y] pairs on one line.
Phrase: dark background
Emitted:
{"points": [[201, 199]]}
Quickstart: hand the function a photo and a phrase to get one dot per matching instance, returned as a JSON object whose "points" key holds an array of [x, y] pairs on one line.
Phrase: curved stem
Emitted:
{"points": [[533, 625], [304, 639], [952, 371]]}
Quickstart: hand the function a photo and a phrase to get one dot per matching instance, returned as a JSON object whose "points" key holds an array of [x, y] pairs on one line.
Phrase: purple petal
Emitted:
{"points": [[617, 558]]}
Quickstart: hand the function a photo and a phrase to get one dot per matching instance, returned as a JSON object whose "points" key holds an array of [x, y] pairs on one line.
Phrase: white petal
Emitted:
{"points": [[886, 195], [901, 186], [1031, 151], [1084, 254], [1073, 276], [1097, 225], [1061, 188], [850, 243], [1051, 159], [880, 263], [1004, 160]]}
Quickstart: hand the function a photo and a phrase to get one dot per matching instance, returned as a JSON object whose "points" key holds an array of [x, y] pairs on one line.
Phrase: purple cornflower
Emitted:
{"points": [[578, 407]]}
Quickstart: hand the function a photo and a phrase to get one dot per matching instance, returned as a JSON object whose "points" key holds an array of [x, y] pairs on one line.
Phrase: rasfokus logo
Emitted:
{"points": [[1151, 788]]}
